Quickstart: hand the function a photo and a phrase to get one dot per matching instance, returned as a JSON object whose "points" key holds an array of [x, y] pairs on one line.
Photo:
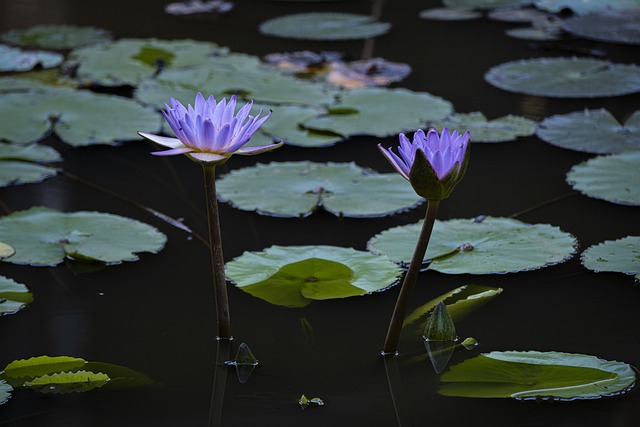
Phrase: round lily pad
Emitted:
{"points": [[539, 31], [14, 296], [582, 7], [16, 169], [485, 4], [45, 237], [5, 391], [451, 14], [479, 246], [324, 26], [295, 276], [620, 256], [78, 117], [566, 77], [294, 189], [56, 36], [534, 375], [14, 59], [506, 128], [129, 61], [381, 112], [609, 26], [613, 178], [591, 131]]}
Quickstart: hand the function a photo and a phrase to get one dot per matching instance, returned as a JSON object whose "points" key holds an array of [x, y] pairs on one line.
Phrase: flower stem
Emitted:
{"points": [[217, 258], [395, 326]]}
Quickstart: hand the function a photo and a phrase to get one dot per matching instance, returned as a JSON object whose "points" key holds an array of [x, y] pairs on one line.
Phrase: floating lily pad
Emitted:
{"points": [[14, 296], [381, 112], [581, 7], [486, 246], [459, 302], [68, 382], [517, 15], [566, 77], [129, 61], [324, 26], [293, 189], [620, 256], [502, 129], [14, 59], [485, 4], [13, 170], [534, 375], [591, 131], [539, 31], [78, 117], [56, 36], [451, 14], [609, 26], [613, 178], [295, 276], [45, 237], [5, 391], [21, 370]]}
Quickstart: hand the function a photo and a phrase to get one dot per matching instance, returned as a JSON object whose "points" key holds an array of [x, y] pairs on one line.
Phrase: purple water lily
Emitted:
{"points": [[432, 163], [210, 131]]}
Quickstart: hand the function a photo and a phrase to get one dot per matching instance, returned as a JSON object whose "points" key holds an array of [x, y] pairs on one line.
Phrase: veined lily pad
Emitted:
{"points": [[78, 117], [490, 245], [13, 170], [533, 375], [591, 131], [295, 276], [459, 302], [566, 77], [44, 237], [609, 26], [5, 391], [14, 59], [381, 112], [14, 296], [620, 256], [485, 4], [293, 189], [129, 61], [56, 36], [613, 178], [324, 26], [505, 128], [68, 382], [21, 370], [581, 7]]}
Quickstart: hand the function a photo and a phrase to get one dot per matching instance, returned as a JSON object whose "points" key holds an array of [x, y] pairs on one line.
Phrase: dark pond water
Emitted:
{"points": [[157, 315]]}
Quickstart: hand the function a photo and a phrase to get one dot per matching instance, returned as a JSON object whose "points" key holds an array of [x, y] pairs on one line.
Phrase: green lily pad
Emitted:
{"points": [[485, 4], [610, 26], [535, 375], [381, 112], [295, 276], [16, 173], [620, 256], [78, 117], [450, 14], [566, 77], [5, 391], [581, 7], [24, 369], [486, 246], [45, 237], [30, 153], [502, 129], [294, 189], [539, 31], [613, 178], [459, 302], [14, 296], [56, 36], [68, 382], [129, 61], [13, 59], [324, 26], [591, 131]]}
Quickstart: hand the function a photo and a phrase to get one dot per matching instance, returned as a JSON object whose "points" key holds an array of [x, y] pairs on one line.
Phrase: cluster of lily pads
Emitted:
{"points": [[312, 112]]}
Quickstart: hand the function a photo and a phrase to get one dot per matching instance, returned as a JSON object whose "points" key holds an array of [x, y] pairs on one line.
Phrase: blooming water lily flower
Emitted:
{"points": [[432, 163], [210, 131]]}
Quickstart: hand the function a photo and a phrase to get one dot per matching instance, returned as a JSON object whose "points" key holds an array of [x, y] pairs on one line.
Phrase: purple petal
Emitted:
{"points": [[248, 151]]}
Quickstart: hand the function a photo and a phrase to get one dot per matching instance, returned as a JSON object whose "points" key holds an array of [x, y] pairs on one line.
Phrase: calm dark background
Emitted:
{"points": [[157, 315]]}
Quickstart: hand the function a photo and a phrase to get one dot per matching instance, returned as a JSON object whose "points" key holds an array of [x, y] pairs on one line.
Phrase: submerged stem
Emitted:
{"points": [[217, 258], [395, 326]]}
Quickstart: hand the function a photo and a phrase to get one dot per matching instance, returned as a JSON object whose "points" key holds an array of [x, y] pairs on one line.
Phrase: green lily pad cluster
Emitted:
{"points": [[65, 374]]}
